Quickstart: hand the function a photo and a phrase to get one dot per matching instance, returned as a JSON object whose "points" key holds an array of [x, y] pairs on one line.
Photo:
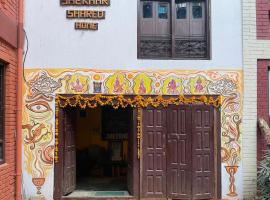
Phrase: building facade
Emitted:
{"points": [[256, 101], [156, 87], [10, 128], [263, 63]]}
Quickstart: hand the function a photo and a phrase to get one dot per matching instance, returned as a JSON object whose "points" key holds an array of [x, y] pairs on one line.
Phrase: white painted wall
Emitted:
{"points": [[53, 42]]}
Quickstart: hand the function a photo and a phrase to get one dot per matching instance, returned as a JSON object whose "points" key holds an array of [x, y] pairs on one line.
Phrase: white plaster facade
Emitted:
{"points": [[53, 42]]}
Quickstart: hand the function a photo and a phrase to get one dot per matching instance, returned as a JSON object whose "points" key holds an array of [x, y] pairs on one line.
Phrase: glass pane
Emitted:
{"points": [[181, 11], [197, 10], [163, 11], [147, 10]]}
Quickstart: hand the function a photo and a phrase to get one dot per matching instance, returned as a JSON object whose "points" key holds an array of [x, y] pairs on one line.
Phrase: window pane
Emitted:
{"points": [[147, 10], [181, 11], [163, 11], [197, 10]]}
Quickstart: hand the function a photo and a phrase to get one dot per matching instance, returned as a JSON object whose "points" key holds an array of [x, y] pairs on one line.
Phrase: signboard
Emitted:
{"points": [[85, 14], [85, 2]]}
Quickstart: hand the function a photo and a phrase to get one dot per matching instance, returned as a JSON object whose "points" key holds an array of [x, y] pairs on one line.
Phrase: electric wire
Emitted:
{"points": [[25, 54]]}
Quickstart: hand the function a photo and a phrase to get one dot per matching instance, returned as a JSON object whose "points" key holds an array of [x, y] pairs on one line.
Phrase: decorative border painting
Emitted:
{"points": [[42, 86]]}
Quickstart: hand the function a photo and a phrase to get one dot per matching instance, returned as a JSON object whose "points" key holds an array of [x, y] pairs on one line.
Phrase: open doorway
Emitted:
{"points": [[97, 152], [102, 151]]}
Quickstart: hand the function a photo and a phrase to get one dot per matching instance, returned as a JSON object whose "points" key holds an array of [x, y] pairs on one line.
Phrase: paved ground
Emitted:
{"points": [[98, 187]]}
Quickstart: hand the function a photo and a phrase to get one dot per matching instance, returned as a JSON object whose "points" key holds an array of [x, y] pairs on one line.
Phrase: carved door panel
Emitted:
{"points": [[203, 152], [69, 172], [154, 157], [185, 135], [179, 165]]}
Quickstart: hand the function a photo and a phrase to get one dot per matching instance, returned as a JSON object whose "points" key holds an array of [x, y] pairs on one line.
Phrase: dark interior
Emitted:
{"points": [[102, 148]]}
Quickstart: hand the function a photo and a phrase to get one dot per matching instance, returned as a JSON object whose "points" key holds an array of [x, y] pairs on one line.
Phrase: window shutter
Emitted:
{"points": [[173, 29]]}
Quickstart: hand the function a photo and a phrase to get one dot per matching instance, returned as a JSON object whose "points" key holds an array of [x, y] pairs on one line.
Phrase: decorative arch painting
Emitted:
{"points": [[42, 86]]}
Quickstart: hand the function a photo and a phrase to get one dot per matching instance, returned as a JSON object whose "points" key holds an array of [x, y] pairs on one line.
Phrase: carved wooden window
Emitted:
{"points": [[1, 113], [176, 29]]}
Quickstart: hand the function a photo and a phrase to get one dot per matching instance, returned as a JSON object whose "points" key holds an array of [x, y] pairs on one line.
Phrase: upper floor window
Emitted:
{"points": [[176, 29], [1, 113]]}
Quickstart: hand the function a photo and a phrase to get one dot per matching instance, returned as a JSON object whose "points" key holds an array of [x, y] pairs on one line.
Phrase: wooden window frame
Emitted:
{"points": [[2, 66], [173, 37]]}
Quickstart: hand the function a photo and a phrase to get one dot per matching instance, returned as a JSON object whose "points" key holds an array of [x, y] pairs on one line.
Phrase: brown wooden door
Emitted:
{"points": [[203, 152], [179, 179], [69, 172], [178, 152], [154, 153]]}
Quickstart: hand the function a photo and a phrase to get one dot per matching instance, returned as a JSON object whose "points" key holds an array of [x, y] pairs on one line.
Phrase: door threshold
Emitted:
{"points": [[101, 197], [108, 195]]}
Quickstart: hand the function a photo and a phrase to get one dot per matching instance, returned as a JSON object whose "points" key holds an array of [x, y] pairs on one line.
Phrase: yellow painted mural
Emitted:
{"points": [[142, 84], [42, 86], [77, 84]]}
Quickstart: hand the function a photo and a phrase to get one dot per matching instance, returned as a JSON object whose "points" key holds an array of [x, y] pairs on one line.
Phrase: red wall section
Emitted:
{"points": [[7, 170], [263, 21], [262, 102], [10, 8], [8, 55]]}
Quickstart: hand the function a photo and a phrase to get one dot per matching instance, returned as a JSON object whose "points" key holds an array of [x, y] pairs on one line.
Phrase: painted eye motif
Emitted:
{"points": [[39, 107]]}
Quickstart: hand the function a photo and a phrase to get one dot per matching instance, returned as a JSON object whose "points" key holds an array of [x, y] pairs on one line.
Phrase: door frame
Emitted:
{"points": [[137, 167], [217, 152], [59, 166]]}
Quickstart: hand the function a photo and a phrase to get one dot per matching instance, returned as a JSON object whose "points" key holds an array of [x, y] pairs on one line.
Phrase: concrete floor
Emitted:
{"points": [[100, 186]]}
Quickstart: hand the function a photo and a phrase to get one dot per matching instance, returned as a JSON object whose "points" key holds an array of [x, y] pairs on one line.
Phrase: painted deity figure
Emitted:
{"points": [[117, 87], [142, 88], [172, 87], [77, 87], [199, 86]]}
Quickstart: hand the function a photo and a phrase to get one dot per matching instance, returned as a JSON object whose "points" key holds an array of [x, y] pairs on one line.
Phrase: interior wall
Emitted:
{"points": [[88, 129]]}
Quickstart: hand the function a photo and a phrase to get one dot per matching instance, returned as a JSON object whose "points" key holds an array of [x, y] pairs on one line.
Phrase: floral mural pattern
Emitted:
{"points": [[42, 86]]}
